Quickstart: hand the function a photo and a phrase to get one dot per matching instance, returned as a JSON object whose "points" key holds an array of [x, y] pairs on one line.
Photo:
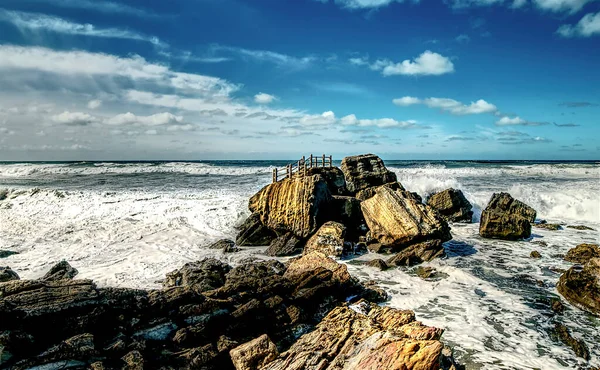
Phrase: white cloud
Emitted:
{"points": [[100, 6], [74, 118], [94, 104], [351, 120], [570, 6], [326, 118], [279, 59], [428, 63], [588, 26], [449, 105], [359, 61], [158, 119], [262, 98], [43, 22], [517, 121], [363, 4], [463, 39]]}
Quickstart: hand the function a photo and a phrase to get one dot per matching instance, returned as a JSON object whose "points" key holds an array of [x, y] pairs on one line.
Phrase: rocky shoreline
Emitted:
{"points": [[306, 313]]}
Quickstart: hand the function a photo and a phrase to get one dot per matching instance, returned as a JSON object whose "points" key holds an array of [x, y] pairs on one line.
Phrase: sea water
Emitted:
{"points": [[128, 224]]}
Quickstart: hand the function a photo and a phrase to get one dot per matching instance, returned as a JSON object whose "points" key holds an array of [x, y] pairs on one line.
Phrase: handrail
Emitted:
{"points": [[301, 166]]}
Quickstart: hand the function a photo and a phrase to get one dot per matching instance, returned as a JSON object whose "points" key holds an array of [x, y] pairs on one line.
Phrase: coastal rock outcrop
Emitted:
{"points": [[583, 253], [506, 218], [298, 205], [333, 176], [580, 285], [253, 233], [285, 245], [62, 270], [365, 336], [7, 274], [418, 253], [397, 220], [206, 274], [365, 171], [329, 239], [254, 354], [452, 205], [370, 192]]}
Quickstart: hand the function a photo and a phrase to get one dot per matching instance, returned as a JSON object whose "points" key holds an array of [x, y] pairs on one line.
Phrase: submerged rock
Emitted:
{"points": [[5, 253], [535, 254], [378, 264], [452, 205], [418, 253], [506, 218], [298, 205], [329, 239], [580, 285], [365, 171], [61, 270], [222, 244], [206, 274], [546, 226], [397, 220], [253, 233], [564, 335], [7, 274], [285, 245], [583, 253], [580, 227], [254, 354]]}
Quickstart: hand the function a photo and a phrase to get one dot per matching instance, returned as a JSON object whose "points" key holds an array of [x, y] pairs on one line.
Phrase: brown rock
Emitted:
{"points": [[452, 205], [333, 176], [506, 218], [133, 361], [418, 253], [583, 253], [580, 227], [546, 226], [329, 239], [378, 264], [61, 270], [253, 233], [578, 346], [254, 354], [580, 285], [313, 260], [370, 192], [206, 274], [298, 205], [7, 274], [285, 245], [365, 171], [346, 210], [397, 221], [535, 254]]}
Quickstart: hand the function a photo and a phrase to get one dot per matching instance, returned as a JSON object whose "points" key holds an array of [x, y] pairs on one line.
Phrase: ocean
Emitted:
{"points": [[127, 224]]}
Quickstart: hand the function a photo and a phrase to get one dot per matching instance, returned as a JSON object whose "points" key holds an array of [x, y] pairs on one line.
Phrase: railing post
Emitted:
{"points": [[311, 160], [330, 161], [323, 160], [275, 175], [289, 171]]}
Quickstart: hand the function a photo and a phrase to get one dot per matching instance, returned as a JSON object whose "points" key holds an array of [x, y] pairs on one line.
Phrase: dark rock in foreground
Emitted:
{"points": [[506, 218], [583, 253], [253, 233], [7, 274], [285, 245], [580, 285], [365, 171], [535, 254], [418, 253], [452, 205]]}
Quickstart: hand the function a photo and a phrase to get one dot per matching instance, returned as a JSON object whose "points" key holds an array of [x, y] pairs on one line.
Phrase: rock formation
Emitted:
{"points": [[397, 220], [298, 205], [580, 285], [254, 233], [333, 176], [452, 205], [418, 253], [506, 218], [7, 274], [583, 253], [329, 239], [365, 171], [285, 245], [61, 270], [254, 354]]}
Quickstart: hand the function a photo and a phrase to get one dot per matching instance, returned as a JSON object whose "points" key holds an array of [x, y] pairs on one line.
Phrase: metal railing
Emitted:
{"points": [[301, 165]]}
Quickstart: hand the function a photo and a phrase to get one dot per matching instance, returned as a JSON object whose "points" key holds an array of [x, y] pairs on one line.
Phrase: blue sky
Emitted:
{"points": [[220, 79]]}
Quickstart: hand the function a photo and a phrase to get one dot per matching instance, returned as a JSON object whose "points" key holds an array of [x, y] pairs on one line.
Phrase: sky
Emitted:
{"points": [[278, 79]]}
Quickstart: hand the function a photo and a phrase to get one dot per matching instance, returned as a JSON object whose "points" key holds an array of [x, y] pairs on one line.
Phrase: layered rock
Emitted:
{"points": [[370, 192], [397, 220], [506, 218], [452, 205], [365, 336], [583, 253], [298, 205], [365, 171], [580, 285], [329, 239], [285, 245], [7, 274], [418, 253], [206, 274], [254, 354], [62, 270], [333, 176], [254, 233]]}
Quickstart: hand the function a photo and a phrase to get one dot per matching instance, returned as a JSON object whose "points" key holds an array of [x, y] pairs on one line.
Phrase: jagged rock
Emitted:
{"points": [[452, 205], [346, 210], [547, 226], [506, 218], [535, 254], [333, 176], [206, 274], [298, 205], [580, 227], [396, 220], [4, 253], [370, 192], [426, 273], [253, 233], [221, 244], [285, 245], [62, 270], [254, 354], [309, 261], [364, 336], [7, 274], [557, 306], [133, 361], [564, 335], [580, 285], [379, 248], [365, 171], [540, 242], [329, 239], [418, 253], [583, 253], [378, 264]]}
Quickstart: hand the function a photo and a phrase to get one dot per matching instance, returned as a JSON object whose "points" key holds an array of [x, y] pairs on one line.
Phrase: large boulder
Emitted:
{"points": [[298, 205], [62, 270], [418, 253], [333, 176], [285, 245], [506, 218], [365, 336], [370, 192], [254, 233], [396, 219], [206, 274], [365, 171], [329, 239], [452, 205], [580, 285], [254, 354], [583, 253], [7, 274]]}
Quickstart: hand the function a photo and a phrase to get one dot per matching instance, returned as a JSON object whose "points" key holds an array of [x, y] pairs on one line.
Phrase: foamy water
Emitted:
{"points": [[128, 224]]}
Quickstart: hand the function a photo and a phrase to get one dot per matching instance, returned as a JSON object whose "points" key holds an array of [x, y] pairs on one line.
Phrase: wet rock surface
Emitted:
{"points": [[62, 270], [506, 218], [254, 233], [7, 274], [452, 205], [329, 239], [285, 245], [580, 285], [5, 253], [578, 346], [365, 171], [535, 254], [418, 253], [583, 253]]}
